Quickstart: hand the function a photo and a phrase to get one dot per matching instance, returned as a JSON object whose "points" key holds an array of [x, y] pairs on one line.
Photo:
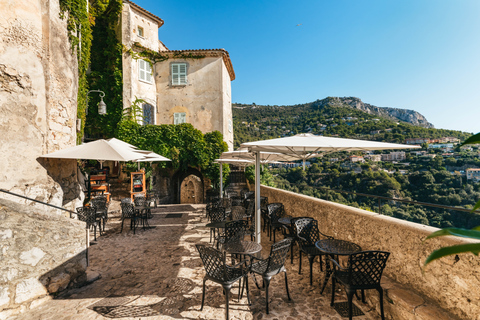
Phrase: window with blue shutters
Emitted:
{"points": [[179, 117], [179, 74]]}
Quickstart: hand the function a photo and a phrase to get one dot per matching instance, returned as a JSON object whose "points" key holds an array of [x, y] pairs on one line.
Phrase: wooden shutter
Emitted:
{"points": [[179, 117], [179, 74]]}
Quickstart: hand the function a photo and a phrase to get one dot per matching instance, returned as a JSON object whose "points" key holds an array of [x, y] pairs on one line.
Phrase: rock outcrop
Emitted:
{"points": [[405, 115]]}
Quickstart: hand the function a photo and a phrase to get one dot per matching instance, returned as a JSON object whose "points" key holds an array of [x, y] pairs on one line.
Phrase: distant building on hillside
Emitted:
{"points": [[473, 174], [355, 158], [374, 157], [394, 156]]}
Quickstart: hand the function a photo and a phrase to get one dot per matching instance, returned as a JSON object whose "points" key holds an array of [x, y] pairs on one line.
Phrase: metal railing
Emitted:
{"points": [[38, 201]]}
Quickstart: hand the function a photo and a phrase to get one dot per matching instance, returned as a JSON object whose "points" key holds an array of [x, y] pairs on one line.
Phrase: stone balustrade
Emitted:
{"points": [[446, 288]]}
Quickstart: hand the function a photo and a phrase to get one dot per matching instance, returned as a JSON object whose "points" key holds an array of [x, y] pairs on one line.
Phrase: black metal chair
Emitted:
{"points": [[101, 204], [128, 212], [89, 216], [218, 271], [217, 213], [308, 234], [364, 271], [238, 213], [275, 212], [291, 232], [272, 266], [153, 197], [144, 209]]}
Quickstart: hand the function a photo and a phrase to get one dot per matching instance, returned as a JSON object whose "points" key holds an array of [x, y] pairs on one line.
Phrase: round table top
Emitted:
{"points": [[337, 247], [243, 247]]}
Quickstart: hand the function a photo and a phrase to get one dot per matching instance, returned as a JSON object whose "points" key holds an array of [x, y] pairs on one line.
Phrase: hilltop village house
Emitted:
{"points": [[190, 86], [38, 107]]}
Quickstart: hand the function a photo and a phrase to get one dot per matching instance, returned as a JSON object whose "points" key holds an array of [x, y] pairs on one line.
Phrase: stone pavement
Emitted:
{"points": [[157, 274]]}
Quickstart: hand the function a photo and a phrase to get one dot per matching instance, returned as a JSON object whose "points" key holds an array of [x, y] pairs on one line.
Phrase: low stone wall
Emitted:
{"points": [[40, 255], [451, 282]]}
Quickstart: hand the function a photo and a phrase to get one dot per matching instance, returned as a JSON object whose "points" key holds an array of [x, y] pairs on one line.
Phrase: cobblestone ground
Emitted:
{"points": [[157, 274]]}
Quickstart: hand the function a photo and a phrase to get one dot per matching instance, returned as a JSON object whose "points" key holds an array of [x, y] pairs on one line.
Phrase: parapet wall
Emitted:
{"points": [[41, 255], [451, 282]]}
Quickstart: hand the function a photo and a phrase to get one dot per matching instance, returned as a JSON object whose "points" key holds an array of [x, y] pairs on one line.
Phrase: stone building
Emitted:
{"points": [[190, 86], [41, 247]]}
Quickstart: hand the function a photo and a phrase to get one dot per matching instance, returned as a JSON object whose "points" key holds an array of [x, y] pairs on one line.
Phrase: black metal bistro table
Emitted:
{"points": [[143, 212], [243, 247], [335, 247]]}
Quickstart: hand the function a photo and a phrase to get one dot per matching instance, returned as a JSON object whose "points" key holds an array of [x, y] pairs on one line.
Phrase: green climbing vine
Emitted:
{"points": [[105, 70], [153, 57], [80, 33]]}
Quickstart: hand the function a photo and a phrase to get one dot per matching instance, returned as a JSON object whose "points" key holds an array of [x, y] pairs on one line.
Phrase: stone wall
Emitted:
{"points": [[451, 282], [38, 97], [40, 255]]}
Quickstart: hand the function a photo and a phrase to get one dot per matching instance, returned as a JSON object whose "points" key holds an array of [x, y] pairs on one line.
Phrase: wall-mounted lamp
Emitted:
{"points": [[102, 107]]}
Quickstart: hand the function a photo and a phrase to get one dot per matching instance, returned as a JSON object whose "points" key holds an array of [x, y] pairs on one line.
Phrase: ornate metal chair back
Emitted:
{"points": [[365, 268], [238, 212], [87, 214], [218, 214], [126, 200], [235, 230], [127, 210], [213, 262], [275, 211], [278, 255], [140, 201], [308, 231]]}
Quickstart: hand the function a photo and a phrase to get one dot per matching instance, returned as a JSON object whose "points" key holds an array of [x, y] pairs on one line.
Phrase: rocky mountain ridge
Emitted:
{"points": [[397, 114]]}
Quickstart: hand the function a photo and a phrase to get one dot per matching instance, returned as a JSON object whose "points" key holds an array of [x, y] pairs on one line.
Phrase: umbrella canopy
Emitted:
{"points": [[265, 157], [307, 145], [100, 150], [304, 146]]}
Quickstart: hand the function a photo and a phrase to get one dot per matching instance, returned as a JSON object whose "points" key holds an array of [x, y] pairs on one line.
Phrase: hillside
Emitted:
{"points": [[343, 117]]}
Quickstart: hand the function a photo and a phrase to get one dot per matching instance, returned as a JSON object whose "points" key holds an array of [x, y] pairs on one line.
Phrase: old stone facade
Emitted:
{"points": [[38, 103], [190, 86], [40, 248]]}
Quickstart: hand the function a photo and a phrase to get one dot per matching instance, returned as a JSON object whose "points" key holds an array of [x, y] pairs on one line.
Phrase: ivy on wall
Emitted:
{"points": [[80, 33], [106, 70], [182, 143]]}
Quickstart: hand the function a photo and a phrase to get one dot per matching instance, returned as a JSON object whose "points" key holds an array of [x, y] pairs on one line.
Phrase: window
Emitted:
{"points": [[145, 71], [179, 74], [179, 117], [140, 31], [148, 114]]}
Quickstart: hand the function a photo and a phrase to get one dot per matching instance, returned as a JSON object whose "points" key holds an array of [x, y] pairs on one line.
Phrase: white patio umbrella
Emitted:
{"points": [[150, 156], [100, 150], [305, 146]]}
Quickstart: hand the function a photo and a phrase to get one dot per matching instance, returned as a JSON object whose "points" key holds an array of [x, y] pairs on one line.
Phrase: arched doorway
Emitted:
{"points": [[189, 186], [191, 190]]}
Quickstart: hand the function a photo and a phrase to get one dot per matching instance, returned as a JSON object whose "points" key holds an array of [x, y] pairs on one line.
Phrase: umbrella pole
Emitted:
{"points": [[221, 180], [303, 164], [87, 234], [138, 166], [257, 198]]}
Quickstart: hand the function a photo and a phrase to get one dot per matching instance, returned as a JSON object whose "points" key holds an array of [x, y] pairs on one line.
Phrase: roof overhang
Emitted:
{"points": [[136, 7]]}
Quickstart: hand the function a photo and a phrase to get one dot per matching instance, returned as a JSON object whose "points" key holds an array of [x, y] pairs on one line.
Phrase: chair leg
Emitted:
{"points": [[266, 281], [321, 267], [333, 292], [226, 289], [248, 292], [203, 294], [380, 292], [363, 296], [95, 232], [300, 262], [311, 259], [291, 253], [350, 303], [286, 286], [121, 229]]}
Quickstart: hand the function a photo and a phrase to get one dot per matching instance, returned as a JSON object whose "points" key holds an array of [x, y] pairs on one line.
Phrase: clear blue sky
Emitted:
{"points": [[422, 55]]}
